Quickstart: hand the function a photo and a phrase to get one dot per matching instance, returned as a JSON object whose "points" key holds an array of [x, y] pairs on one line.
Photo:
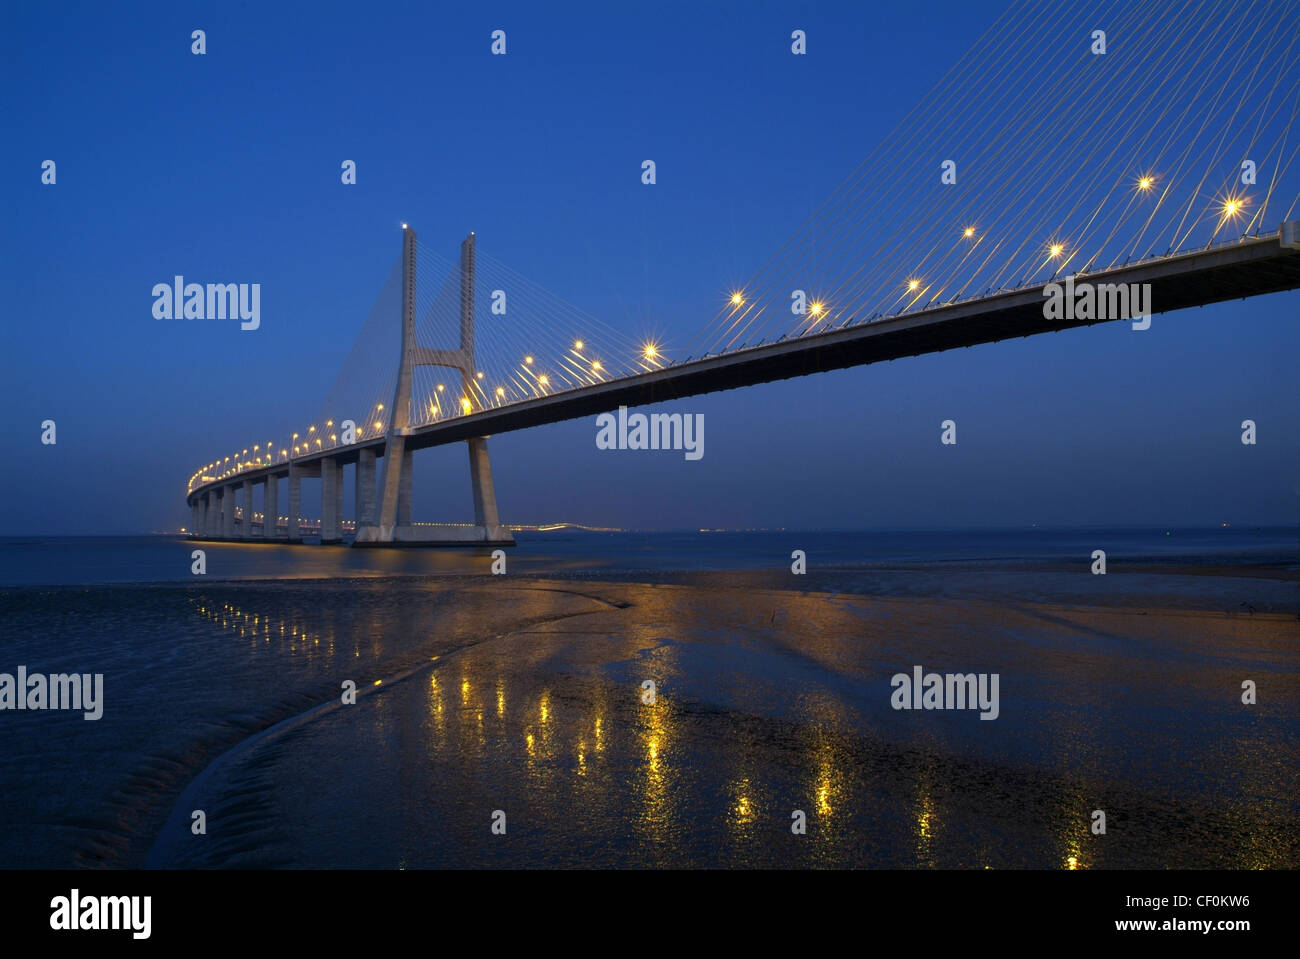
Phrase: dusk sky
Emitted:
{"points": [[226, 168]]}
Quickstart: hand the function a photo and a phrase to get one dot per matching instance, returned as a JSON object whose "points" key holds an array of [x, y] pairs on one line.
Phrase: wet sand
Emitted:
{"points": [[768, 700]]}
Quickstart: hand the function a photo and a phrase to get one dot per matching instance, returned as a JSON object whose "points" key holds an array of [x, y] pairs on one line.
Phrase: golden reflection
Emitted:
{"points": [[827, 784], [926, 820], [464, 692], [247, 625], [1073, 853], [543, 707], [435, 703], [743, 807], [1076, 819], [656, 813], [501, 697]]}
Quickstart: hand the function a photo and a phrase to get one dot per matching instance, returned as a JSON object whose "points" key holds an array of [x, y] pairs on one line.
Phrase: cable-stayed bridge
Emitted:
{"points": [[1073, 168]]}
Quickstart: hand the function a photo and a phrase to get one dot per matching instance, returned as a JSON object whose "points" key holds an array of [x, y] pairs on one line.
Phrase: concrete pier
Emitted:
{"points": [[270, 506], [404, 490], [365, 491], [228, 496], [294, 534], [246, 527], [485, 495], [331, 501]]}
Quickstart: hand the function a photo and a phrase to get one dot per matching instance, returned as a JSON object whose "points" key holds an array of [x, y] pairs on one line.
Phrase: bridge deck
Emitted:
{"points": [[1249, 268]]}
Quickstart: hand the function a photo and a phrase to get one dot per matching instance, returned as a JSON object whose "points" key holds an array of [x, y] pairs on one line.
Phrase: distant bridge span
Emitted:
{"points": [[1246, 268]]}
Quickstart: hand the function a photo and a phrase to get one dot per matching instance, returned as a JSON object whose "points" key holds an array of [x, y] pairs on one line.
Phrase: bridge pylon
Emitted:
{"points": [[394, 525]]}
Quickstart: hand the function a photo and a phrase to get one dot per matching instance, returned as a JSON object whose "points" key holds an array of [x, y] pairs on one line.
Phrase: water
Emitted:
{"points": [[523, 693], [148, 559]]}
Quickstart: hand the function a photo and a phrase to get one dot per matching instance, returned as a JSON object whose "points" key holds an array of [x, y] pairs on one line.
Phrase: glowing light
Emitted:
{"points": [[501, 391], [528, 360], [1233, 206], [379, 406], [311, 429], [596, 365], [543, 379], [379, 425], [737, 299], [968, 232], [651, 351], [816, 309], [913, 284], [1055, 250], [577, 345], [440, 387], [465, 404], [479, 375], [404, 226], [1146, 183]]}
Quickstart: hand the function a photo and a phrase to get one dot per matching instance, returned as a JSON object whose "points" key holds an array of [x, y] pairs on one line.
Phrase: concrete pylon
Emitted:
{"points": [[228, 511], [246, 523], [394, 524], [293, 532], [365, 489], [270, 506], [331, 501]]}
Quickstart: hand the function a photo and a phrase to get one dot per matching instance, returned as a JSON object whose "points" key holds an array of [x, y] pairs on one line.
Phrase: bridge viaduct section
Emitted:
{"points": [[1252, 267]]}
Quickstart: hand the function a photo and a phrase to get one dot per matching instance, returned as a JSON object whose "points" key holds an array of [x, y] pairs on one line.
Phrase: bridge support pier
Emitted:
{"points": [[404, 492], [270, 507], [485, 495], [228, 497], [331, 501], [196, 516], [246, 527], [365, 493], [211, 515], [295, 504]]}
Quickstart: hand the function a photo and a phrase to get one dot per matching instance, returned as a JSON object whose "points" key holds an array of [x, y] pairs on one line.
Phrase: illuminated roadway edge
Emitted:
{"points": [[1236, 271]]}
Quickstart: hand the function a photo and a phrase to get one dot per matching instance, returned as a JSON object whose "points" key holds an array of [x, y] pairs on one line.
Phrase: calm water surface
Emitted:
{"points": [[523, 694]]}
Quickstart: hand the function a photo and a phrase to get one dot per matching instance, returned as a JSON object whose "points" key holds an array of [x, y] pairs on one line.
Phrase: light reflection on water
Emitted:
{"points": [[750, 722], [691, 781]]}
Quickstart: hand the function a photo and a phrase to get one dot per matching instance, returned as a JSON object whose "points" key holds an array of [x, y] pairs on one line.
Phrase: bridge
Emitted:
{"points": [[1189, 201]]}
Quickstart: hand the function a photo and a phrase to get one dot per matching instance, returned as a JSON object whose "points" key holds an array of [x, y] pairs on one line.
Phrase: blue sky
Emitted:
{"points": [[225, 168]]}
